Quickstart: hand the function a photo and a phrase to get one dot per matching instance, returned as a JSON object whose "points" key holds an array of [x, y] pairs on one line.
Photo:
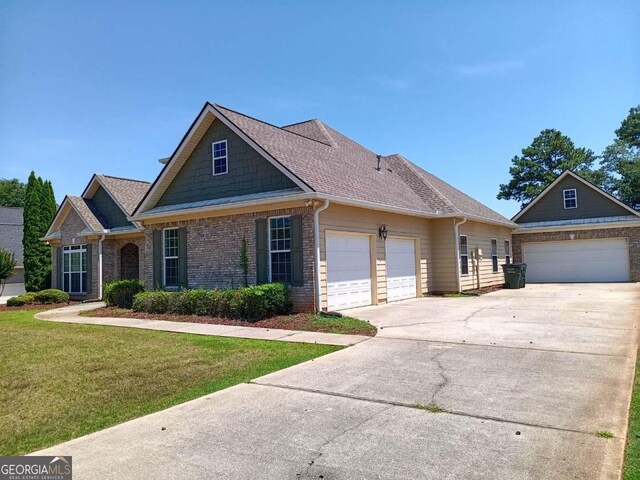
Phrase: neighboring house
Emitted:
{"points": [[343, 226], [11, 239], [93, 241], [575, 232]]}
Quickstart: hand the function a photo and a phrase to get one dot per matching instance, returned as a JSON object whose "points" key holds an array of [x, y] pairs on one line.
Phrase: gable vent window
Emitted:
{"points": [[464, 255], [494, 254], [570, 198], [219, 153]]}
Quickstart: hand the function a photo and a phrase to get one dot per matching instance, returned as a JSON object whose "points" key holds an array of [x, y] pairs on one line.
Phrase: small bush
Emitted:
{"points": [[155, 301], [121, 292], [17, 301], [247, 303], [51, 295]]}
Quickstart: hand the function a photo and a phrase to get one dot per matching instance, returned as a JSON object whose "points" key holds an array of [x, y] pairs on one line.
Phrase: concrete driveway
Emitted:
{"points": [[525, 378]]}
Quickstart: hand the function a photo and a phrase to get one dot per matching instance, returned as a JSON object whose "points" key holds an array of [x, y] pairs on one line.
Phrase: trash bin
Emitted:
{"points": [[514, 275]]}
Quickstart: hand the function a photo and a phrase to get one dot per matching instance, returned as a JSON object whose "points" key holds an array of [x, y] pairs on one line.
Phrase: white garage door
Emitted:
{"points": [[401, 269], [348, 271], [602, 260]]}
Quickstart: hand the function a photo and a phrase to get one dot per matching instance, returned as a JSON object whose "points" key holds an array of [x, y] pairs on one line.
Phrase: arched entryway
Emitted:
{"points": [[129, 257]]}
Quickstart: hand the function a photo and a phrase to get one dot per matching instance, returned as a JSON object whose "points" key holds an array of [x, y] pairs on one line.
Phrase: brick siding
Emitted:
{"points": [[213, 252], [631, 233], [112, 256]]}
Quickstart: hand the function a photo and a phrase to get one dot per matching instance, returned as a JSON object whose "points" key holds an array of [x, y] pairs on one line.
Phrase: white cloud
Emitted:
{"points": [[488, 68], [394, 83]]}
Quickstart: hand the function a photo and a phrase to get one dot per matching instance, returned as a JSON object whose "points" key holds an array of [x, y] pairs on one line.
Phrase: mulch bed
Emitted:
{"points": [[298, 321], [35, 306]]}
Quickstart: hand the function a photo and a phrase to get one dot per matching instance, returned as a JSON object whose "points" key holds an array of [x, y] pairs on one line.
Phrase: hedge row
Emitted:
{"points": [[247, 303], [121, 292], [50, 295]]}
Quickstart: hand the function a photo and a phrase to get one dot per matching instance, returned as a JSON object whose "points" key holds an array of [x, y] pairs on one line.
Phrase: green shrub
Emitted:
{"points": [[18, 301], [51, 295], [121, 292], [155, 301], [247, 303]]}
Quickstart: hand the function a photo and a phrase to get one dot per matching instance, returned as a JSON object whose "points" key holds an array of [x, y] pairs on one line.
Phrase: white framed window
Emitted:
{"points": [[280, 249], [464, 255], [74, 268], [507, 252], [219, 157], [170, 257], [494, 254], [570, 198]]}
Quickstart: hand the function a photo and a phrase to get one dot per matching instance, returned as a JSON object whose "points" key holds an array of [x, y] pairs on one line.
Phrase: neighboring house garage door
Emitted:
{"points": [[348, 271], [401, 269], [602, 260]]}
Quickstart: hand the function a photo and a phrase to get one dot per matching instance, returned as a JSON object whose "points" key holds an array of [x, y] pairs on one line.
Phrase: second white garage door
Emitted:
{"points": [[601, 260], [348, 271], [401, 269]]}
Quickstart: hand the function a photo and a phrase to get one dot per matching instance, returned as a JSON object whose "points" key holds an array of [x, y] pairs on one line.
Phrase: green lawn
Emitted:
{"points": [[632, 452], [60, 381]]}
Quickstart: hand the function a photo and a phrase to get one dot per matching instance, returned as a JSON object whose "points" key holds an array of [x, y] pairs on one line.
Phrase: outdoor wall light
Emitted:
{"points": [[382, 232]]}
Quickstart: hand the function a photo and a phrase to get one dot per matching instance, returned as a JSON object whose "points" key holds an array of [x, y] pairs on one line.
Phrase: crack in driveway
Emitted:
{"points": [[318, 452]]}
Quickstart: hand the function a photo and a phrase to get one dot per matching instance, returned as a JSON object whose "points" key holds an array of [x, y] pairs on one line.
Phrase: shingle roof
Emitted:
{"points": [[85, 212], [11, 231], [331, 163], [127, 192]]}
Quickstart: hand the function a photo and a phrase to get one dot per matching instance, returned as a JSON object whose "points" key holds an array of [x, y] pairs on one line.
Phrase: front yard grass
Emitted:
{"points": [[632, 450], [300, 321], [60, 381]]}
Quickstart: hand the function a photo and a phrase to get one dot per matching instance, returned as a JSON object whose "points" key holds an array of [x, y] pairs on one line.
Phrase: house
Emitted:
{"points": [[343, 226], [575, 232], [11, 239], [92, 238]]}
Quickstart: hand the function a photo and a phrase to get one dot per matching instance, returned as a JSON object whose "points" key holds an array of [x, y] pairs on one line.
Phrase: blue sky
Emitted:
{"points": [[457, 87]]}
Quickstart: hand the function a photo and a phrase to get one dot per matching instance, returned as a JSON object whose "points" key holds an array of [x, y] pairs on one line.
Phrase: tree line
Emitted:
{"points": [[616, 170]]}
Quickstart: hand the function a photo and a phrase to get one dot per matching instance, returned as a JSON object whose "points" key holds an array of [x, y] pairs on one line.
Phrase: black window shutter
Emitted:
{"points": [[157, 259], [182, 258], [296, 250], [88, 287], [60, 268], [262, 250]]}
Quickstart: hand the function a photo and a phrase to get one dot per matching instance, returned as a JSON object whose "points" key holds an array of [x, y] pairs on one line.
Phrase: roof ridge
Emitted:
{"points": [[271, 124], [415, 169], [122, 178], [300, 123]]}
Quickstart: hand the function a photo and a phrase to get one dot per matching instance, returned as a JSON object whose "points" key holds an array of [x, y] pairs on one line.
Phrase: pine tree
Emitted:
{"points": [[47, 214], [39, 210], [30, 239]]}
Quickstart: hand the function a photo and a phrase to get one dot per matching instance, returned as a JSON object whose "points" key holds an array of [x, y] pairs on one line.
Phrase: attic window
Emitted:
{"points": [[219, 156], [570, 198]]}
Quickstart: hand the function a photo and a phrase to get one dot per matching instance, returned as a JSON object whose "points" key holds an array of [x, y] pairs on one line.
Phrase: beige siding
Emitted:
{"points": [[444, 264], [340, 218], [479, 235]]}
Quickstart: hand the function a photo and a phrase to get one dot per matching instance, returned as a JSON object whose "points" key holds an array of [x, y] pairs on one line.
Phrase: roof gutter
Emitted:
{"points": [[316, 239], [315, 196], [456, 232]]}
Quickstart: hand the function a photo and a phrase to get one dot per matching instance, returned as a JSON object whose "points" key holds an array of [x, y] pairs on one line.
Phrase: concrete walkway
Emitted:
{"points": [[70, 315]]}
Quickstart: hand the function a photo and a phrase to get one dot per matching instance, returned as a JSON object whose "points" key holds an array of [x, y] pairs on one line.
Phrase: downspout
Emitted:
{"points": [[316, 239], [100, 267], [457, 240]]}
